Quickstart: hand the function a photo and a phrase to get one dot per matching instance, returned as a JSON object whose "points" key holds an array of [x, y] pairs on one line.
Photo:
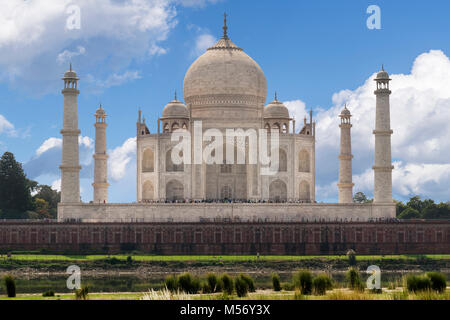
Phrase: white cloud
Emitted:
{"points": [[297, 110], [420, 113], [196, 3], [115, 79], [121, 158], [203, 42], [56, 185], [6, 126], [156, 50], [66, 56], [49, 144], [112, 34], [48, 156]]}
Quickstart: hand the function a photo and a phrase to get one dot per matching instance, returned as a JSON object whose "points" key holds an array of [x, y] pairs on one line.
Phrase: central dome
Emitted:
{"points": [[225, 76]]}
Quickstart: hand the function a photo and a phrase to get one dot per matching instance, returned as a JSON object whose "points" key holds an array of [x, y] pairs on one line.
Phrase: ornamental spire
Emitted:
{"points": [[225, 27]]}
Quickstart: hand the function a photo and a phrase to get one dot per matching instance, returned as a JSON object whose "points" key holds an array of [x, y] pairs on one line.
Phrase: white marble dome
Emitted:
{"points": [[276, 110], [175, 109], [224, 76]]}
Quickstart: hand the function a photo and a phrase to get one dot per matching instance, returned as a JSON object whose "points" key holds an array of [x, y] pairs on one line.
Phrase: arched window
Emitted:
{"points": [[170, 166], [304, 191], [175, 126], [267, 127], [184, 126], [278, 191], [275, 127], [148, 191], [166, 128], [285, 128], [282, 160], [148, 161], [303, 161], [226, 193], [174, 191]]}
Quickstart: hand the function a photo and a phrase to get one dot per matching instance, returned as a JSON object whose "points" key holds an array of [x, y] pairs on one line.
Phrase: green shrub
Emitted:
{"points": [[276, 282], [241, 286], [214, 283], [351, 255], [354, 279], [416, 283], [321, 284], [287, 286], [303, 281], [438, 281], [10, 285], [228, 285], [82, 294], [171, 283], [49, 293], [129, 260], [250, 282], [188, 284]]}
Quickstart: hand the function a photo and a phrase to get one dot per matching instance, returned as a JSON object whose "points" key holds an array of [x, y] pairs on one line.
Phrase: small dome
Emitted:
{"points": [[100, 111], [276, 109], [175, 109], [70, 74], [345, 112], [382, 75]]}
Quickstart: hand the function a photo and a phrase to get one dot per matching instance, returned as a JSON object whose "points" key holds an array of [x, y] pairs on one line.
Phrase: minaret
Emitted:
{"points": [[383, 162], [70, 167], [101, 158], [345, 159]]}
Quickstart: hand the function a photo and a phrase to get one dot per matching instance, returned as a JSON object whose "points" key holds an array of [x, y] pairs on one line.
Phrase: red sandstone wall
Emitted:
{"points": [[414, 237]]}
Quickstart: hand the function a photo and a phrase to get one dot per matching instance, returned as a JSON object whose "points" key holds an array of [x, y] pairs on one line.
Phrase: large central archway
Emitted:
{"points": [[174, 191], [278, 191], [234, 176]]}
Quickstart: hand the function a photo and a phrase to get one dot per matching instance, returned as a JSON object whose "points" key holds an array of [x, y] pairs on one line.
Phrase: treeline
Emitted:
{"points": [[415, 208], [21, 198]]}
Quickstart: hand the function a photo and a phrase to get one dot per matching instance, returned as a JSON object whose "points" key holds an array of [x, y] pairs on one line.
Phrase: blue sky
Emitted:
{"points": [[315, 54]]}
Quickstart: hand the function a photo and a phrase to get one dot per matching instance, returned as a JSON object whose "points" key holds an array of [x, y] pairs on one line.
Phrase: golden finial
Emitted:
{"points": [[225, 27]]}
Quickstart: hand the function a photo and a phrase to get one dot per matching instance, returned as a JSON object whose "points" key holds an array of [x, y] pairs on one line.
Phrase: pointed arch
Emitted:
{"points": [[170, 166], [304, 191], [174, 191], [283, 160], [278, 191], [148, 191], [166, 128], [148, 160], [226, 193], [304, 164]]}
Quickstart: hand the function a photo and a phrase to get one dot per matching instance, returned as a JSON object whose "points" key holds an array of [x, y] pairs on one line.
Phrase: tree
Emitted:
{"points": [[360, 197], [409, 213], [418, 204], [42, 209], [15, 188], [51, 197], [436, 211]]}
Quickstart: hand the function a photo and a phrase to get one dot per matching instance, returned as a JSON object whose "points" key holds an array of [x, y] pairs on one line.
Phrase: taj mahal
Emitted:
{"points": [[225, 89]]}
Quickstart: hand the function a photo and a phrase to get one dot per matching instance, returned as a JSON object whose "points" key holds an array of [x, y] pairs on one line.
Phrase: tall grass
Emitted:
{"points": [[354, 279], [10, 285], [165, 294], [228, 284], [303, 281], [321, 284], [276, 282]]}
